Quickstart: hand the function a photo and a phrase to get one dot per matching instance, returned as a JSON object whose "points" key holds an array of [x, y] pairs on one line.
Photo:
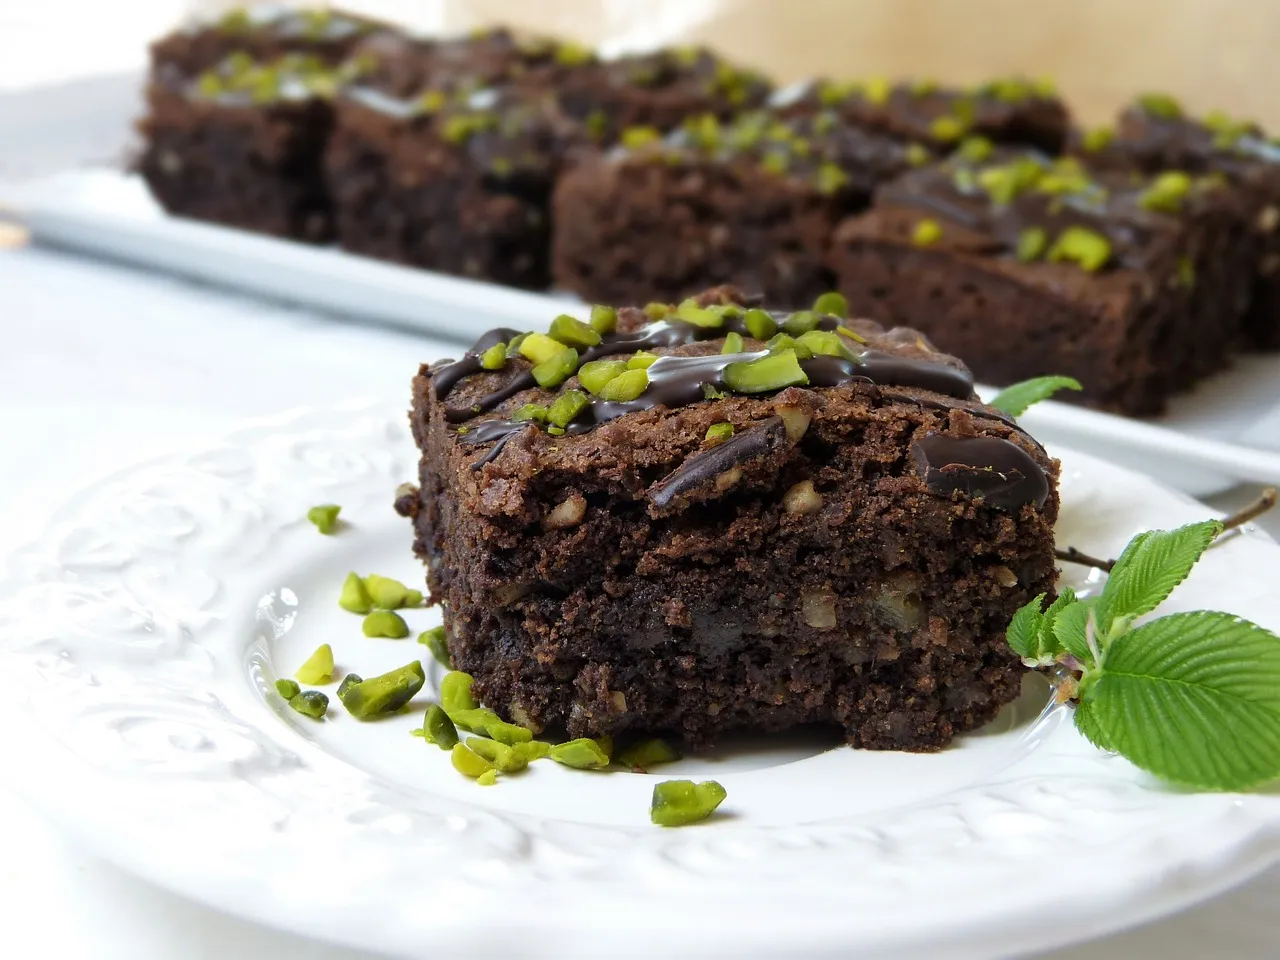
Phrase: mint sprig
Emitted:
{"points": [[1015, 400], [1193, 698]]}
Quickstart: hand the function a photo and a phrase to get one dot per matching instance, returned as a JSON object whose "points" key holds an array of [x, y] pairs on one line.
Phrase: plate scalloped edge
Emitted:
{"points": [[114, 636]]}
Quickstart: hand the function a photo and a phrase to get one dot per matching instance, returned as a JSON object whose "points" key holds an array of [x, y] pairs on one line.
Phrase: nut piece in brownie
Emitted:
{"points": [[456, 183], [1155, 134], [704, 517], [1010, 110], [241, 145], [752, 203], [1026, 266]]}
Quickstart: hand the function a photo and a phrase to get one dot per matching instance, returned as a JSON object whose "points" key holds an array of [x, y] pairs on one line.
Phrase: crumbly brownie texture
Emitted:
{"points": [[1026, 266], [753, 203], [1156, 134], [850, 556], [1011, 111], [241, 145], [460, 186]]}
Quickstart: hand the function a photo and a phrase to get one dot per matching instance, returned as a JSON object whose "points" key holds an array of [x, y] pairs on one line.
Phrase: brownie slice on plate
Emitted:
{"points": [[690, 523], [1155, 134], [1026, 266], [753, 203]]}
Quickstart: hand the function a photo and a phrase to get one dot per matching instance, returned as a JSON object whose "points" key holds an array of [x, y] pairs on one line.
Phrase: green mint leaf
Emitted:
{"points": [[1016, 399], [1023, 634], [1193, 698], [1070, 627], [1151, 566]]}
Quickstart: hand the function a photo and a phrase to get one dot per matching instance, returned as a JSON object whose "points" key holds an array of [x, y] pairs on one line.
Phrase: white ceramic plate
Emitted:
{"points": [[1233, 420], [140, 636]]}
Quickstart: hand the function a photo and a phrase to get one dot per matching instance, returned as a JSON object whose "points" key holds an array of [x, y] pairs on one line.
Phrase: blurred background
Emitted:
{"points": [[1209, 53]]}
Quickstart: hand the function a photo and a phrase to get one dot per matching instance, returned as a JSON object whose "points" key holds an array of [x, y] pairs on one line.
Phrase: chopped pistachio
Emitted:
{"points": [[288, 688], [774, 372], [1097, 139], [976, 149], [719, 432], [760, 324], [488, 778], [383, 694], [469, 763], [566, 407], [532, 750], [1160, 105], [926, 233], [1064, 180], [647, 753], [947, 129], [455, 692], [573, 332], [570, 54], [641, 360], [603, 319], [689, 311], [513, 348], [852, 334], [634, 138], [495, 358], [1044, 87], [437, 728], [732, 342], [802, 321], [1186, 272], [626, 386], [581, 754], [432, 101], [656, 311], [830, 178], [349, 681], [1031, 243], [310, 703], [539, 348], [711, 393], [594, 375], [552, 372], [680, 802], [1090, 249], [437, 641], [923, 87], [355, 596], [1004, 183], [389, 594], [385, 623], [877, 89], [917, 154], [832, 303], [530, 411], [503, 757], [318, 668], [784, 341], [823, 343], [325, 517], [1166, 192]]}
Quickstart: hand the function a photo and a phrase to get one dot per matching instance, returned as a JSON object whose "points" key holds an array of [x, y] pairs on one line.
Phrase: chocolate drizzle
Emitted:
{"points": [[997, 470], [701, 468]]}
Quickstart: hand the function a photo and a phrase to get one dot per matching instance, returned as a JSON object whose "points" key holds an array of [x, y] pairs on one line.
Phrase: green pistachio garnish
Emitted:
{"points": [[437, 728], [1186, 273], [926, 233], [460, 128], [573, 332], [1160, 105], [760, 324], [829, 178], [209, 84], [775, 162], [484, 720], [832, 303], [603, 319], [719, 432], [656, 311], [1045, 87], [455, 692], [877, 90], [530, 411], [965, 180], [641, 360], [704, 130], [635, 138], [1004, 183], [310, 703], [235, 21], [539, 348], [802, 321], [824, 123], [976, 149], [288, 688], [469, 763], [832, 93], [647, 753], [569, 54], [923, 87], [513, 348], [823, 343], [532, 750], [432, 101], [784, 341], [1166, 192], [1031, 244], [318, 668], [1007, 89], [349, 681], [1064, 181], [581, 754], [1090, 249], [1097, 139], [706, 317], [556, 370], [680, 802], [385, 623], [594, 375], [917, 154], [504, 758], [774, 372], [488, 778], [495, 358], [382, 694], [437, 641], [852, 334], [733, 342], [389, 594], [626, 386], [566, 408], [325, 517], [947, 129], [355, 596], [596, 124]]}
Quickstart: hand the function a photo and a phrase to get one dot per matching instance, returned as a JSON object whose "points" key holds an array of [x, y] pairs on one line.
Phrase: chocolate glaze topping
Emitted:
{"points": [[1001, 472], [758, 441]]}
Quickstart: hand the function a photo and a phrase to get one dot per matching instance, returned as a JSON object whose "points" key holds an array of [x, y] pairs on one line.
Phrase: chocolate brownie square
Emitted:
{"points": [[1026, 266], [751, 203], [707, 527]]}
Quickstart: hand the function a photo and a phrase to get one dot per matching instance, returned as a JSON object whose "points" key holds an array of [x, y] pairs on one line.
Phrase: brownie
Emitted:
{"points": [[748, 540], [751, 203], [1027, 266], [1155, 134], [1010, 110], [241, 145], [461, 185]]}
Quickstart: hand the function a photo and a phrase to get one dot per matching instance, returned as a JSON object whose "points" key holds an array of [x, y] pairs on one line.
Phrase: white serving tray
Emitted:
{"points": [[1224, 432]]}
